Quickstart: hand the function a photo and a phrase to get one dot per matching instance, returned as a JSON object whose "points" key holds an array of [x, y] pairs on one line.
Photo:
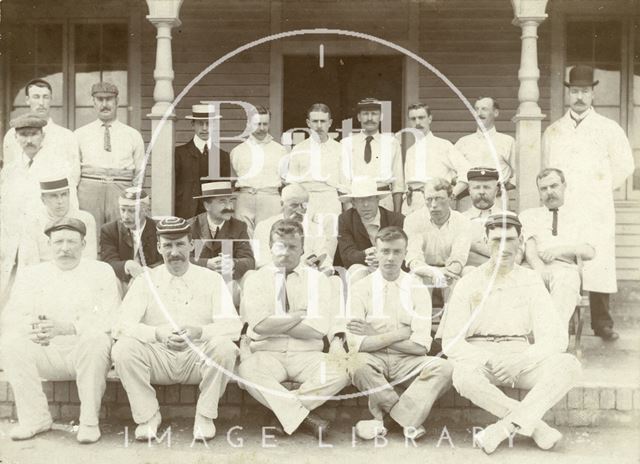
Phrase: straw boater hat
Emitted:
{"points": [[54, 184], [202, 112], [362, 187], [581, 76], [221, 188]]}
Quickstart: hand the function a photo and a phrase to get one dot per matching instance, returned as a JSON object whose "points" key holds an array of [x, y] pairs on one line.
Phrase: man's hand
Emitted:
{"points": [[438, 277], [361, 327], [133, 268], [337, 347], [547, 256], [44, 330], [452, 271], [507, 367], [222, 264]]}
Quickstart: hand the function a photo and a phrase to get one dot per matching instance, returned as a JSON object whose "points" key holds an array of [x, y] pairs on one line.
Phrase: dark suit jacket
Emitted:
{"points": [[353, 237], [116, 246], [190, 166], [231, 229]]}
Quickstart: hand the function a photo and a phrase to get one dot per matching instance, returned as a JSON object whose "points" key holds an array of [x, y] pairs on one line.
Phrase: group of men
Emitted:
{"points": [[311, 250]]}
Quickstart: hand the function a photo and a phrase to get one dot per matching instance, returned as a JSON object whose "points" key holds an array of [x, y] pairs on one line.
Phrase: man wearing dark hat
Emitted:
{"points": [[192, 162], [216, 225], [56, 327], [111, 154], [129, 244], [594, 154], [492, 311], [38, 95], [375, 155], [178, 329]]}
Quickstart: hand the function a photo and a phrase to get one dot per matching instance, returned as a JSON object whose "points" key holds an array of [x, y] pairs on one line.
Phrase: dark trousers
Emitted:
{"points": [[600, 317]]}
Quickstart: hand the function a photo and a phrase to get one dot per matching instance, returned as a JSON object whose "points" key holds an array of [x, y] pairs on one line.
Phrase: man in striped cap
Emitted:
{"points": [[128, 245], [177, 329]]}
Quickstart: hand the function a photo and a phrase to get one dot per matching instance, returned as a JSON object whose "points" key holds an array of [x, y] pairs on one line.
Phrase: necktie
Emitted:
{"points": [[367, 149], [283, 298], [205, 151], [107, 137], [214, 232], [554, 223], [30, 163]]}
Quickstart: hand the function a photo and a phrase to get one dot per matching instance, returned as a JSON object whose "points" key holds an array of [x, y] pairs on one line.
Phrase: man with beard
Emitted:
{"points": [[594, 154], [432, 157], [290, 309], [179, 329], [492, 312], [555, 242], [258, 162], [111, 155], [128, 245], [214, 226], [56, 327], [192, 162], [372, 154], [320, 240]]}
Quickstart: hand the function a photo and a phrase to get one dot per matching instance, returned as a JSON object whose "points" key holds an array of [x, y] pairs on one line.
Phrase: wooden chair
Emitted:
{"points": [[577, 319]]}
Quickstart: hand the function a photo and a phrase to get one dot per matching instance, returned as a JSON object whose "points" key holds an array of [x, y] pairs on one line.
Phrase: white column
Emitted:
{"points": [[528, 15], [163, 14]]}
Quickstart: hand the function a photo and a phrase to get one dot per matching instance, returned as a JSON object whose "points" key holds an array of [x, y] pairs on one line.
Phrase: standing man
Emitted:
{"points": [[372, 154], [317, 164], [38, 95], [594, 154], [258, 162], [180, 330], [111, 155], [555, 243], [192, 163], [129, 245], [432, 157], [389, 334], [56, 327], [290, 309], [491, 313]]}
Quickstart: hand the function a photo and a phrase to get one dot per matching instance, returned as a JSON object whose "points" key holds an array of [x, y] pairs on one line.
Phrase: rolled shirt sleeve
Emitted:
{"points": [[226, 322], [132, 312], [461, 242], [421, 318]]}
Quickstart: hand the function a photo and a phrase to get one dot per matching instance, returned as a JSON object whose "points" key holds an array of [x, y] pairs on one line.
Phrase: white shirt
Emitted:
{"points": [[213, 227], [200, 144], [199, 297], [478, 218], [386, 159], [537, 224], [87, 296], [390, 305], [432, 157], [478, 152], [259, 163], [127, 147], [318, 166]]}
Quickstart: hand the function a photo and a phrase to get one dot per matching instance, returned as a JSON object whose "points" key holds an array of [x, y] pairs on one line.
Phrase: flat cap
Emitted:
{"points": [[501, 219], [369, 104], [104, 88], [130, 196], [172, 226], [66, 223], [29, 120], [483, 174]]}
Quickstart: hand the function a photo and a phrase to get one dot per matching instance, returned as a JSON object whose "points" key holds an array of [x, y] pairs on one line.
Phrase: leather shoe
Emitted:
{"points": [[315, 425], [24, 432], [88, 434], [148, 430], [607, 334]]}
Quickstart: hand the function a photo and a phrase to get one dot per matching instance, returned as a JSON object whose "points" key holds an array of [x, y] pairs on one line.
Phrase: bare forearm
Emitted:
{"points": [[460, 187], [409, 347], [304, 332], [480, 248], [380, 341], [276, 325]]}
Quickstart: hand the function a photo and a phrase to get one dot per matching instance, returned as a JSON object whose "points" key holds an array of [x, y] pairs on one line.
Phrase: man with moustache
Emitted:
{"points": [[111, 155], [38, 96], [431, 157], [372, 154], [555, 246], [320, 240], [216, 225], [178, 330], [290, 309], [192, 163], [491, 313], [389, 336], [259, 163], [55, 327], [594, 154], [128, 245], [359, 225]]}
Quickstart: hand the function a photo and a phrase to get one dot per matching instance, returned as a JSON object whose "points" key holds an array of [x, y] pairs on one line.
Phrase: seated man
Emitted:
{"points": [[179, 330], [491, 312], [554, 241], [287, 333], [217, 223], [129, 244], [320, 239], [359, 225], [56, 326], [390, 332]]}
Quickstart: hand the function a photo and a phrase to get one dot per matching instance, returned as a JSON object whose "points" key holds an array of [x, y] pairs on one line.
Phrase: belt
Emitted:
{"points": [[255, 191], [499, 338], [106, 179]]}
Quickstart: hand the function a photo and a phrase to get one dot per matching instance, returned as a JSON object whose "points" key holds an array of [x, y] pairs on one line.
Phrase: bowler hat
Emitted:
{"points": [[581, 76]]}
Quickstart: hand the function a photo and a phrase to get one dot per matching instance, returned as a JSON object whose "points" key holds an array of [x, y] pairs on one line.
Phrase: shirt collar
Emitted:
{"points": [[399, 282], [167, 277], [482, 212], [199, 143], [299, 269], [491, 131], [265, 141], [579, 117], [212, 224], [375, 220]]}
